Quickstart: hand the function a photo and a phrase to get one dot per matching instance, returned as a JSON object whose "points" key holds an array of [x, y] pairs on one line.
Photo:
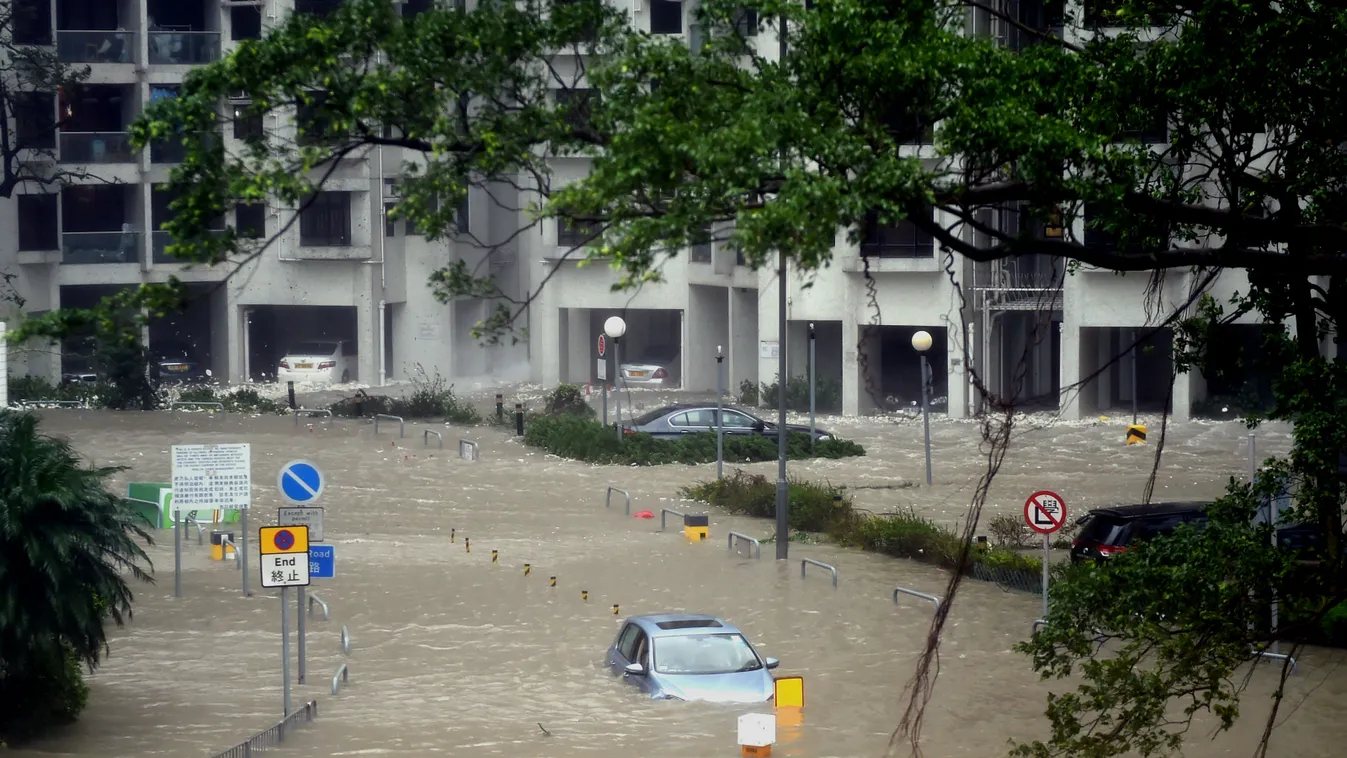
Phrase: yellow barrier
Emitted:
{"points": [[495, 556], [467, 544], [614, 609], [789, 692], [451, 536], [696, 526], [528, 569], [584, 595], [552, 581], [1136, 434]]}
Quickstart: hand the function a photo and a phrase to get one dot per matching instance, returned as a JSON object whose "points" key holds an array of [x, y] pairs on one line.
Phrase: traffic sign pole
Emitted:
{"points": [[243, 549], [299, 623], [1047, 546], [1045, 513], [285, 647]]}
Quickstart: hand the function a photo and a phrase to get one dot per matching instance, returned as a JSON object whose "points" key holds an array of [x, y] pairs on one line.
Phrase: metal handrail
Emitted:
{"points": [[315, 599], [807, 562], [608, 498], [905, 591], [744, 538], [402, 425], [58, 403], [665, 512], [339, 678], [193, 404], [470, 447], [1277, 657], [200, 530], [225, 544], [311, 412], [345, 641], [425, 437]]}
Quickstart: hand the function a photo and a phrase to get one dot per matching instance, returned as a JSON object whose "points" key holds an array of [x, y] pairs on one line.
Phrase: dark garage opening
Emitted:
{"points": [[187, 330], [1237, 382], [78, 355], [272, 329], [898, 379], [654, 337], [1107, 370]]}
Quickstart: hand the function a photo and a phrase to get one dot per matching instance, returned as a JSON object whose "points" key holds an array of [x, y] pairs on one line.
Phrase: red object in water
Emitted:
{"points": [[643, 514]]}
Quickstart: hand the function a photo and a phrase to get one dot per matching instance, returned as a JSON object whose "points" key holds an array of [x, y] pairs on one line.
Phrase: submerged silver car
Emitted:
{"points": [[680, 656]]}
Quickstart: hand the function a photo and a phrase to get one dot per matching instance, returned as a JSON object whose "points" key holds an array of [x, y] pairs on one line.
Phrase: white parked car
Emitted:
{"points": [[318, 362], [656, 368]]}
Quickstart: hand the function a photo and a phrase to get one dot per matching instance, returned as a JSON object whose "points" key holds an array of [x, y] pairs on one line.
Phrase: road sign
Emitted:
{"points": [[602, 369], [303, 516], [207, 477], [285, 570], [284, 540], [300, 482], [322, 561], [603, 345], [1045, 512]]}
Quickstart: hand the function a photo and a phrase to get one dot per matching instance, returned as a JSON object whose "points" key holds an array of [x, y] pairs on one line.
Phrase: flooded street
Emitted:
{"points": [[452, 655]]}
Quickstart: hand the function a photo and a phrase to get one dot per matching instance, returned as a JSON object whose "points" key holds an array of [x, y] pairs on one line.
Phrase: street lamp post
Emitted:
{"points": [[615, 327], [921, 342], [812, 372], [720, 414]]}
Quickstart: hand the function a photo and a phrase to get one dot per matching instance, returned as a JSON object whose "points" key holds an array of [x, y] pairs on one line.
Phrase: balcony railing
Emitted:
{"points": [[97, 147], [100, 247], [170, 150], [95, 46], [184, 48]]}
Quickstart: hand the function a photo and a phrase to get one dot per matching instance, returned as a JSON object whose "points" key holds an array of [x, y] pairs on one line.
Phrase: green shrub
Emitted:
{"points": [[34, 701], [813, 507], [827, 394], [567, 399], [243, 400], [37, 389], [1334, 626], [431, 398], [584, 439]]}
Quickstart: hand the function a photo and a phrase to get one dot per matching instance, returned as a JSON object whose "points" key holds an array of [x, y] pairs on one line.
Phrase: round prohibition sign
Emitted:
{"points": [[1045, 512], [284, 539]]}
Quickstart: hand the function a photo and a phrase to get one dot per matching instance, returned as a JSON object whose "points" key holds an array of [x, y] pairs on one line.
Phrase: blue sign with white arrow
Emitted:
{"points": [[300, 482], [322, 562]]}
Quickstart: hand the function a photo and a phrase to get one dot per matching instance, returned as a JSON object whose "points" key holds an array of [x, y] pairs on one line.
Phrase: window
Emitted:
{"points": [[245, 22], [575, 106], [905, 240], [700, 418], [414, 8], [1155, 132], [247, 123], [700, 245], [745, 20], [250, 220], [576, 232], [37, 222], [666, 17], [316, 7], [390, 223], [326, 222], [1101, 239], [737, 420], [705, 654], [315, 122], [627, 642], [462, 216], [32, 22], [916, 130], [35, 120]]}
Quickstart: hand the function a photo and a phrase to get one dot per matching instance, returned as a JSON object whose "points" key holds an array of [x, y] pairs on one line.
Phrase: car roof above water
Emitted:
{"points": [[679, 624], [1152, 509]]}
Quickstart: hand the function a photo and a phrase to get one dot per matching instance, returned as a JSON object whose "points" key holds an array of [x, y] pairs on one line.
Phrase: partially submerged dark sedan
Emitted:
{"points": [[673, 421], [174, 362]]}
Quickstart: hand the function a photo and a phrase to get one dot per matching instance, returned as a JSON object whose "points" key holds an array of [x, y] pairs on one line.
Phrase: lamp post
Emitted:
{"points": [[720, 414], [812, 373], [615, 327], [921, 342]]}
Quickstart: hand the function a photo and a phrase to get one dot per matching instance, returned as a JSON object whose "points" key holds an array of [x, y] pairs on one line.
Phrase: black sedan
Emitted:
{"points": [[673, 421]]}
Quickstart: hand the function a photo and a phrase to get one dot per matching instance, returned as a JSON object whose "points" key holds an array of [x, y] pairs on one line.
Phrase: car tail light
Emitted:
{"points": [[285, 364], [660, 374], [1111, 549], [327, 364], [626, 431]]}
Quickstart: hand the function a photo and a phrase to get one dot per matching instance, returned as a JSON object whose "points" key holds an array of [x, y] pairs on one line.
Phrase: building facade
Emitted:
{"points": [[1032, 331]]}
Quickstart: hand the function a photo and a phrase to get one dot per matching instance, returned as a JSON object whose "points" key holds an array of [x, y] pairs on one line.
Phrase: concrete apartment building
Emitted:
{"points": [[347, 272]]}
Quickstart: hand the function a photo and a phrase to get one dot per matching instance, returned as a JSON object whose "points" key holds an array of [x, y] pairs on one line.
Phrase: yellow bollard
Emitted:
{"points": [[1136, 434], [451, 536], [552, 582], [696, 526], [495, 555], [614, 609], [789, 692], [584, 595], [527, 569], [467, 544]]}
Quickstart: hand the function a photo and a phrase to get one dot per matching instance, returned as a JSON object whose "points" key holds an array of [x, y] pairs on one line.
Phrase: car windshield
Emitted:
{"points": [[314, 348], [650, 416], [704, 654]]}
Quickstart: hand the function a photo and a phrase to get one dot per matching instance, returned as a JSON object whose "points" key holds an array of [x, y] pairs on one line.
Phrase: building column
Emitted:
{"points": [[769, 320], [545, 330], [1188, 388], [742, 350], [956, 392], [1068, 394]]}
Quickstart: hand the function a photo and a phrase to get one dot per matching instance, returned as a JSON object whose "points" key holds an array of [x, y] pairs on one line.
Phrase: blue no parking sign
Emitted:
{"points": [[300, 482]]}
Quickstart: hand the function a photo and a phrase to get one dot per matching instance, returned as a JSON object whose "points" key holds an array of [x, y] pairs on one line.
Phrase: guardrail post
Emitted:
{"points": [[757, 546], [311, 412], [425, 437], [402, 425], [608, 500], [345, 641], [806, 562], [467, 450], [339, 678], [665, 512], [315, 599], [922, 595]]}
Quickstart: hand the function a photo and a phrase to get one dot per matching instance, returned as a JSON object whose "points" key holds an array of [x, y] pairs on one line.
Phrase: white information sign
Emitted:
{"points": [[303, 516], [769, 349], [212, 477], [603, 369], [285, 570]]}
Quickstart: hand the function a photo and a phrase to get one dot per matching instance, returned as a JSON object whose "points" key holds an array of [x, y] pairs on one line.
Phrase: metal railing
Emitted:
{"points": [[225, 545], [311, 412], [339, 678], [1276, 657], [345, 641], [95, 46], [97, 147], [402, 425], [608, 498], [184, 48], [100, 247], [467, 450], [905, 591], [193, 404], [757, 546], [57, 403], [315, 599], [190, 518], [425, 437], [274, 736], [663, 512], [805, 563]]}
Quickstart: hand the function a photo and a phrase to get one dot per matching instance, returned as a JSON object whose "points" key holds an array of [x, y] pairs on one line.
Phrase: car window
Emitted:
{"points": [[703, 418], [314, 348], [348, 348], [739, 420], [626, 642], [1158, 526], [1102, 529], [704, 654], [651, 416]]}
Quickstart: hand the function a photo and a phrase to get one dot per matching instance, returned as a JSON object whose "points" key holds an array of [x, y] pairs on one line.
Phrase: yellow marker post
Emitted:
{"points": [[527, 569], [467, 544], [584, 595], [614, 609], [696, 526], [451, 536], [495, 556], [552, 582], [1136, 434], [789, 692]]}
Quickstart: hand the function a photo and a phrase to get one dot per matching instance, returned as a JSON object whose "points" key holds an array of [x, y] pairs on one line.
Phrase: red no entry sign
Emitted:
{"points": [[603, 345], [1045, 512]]}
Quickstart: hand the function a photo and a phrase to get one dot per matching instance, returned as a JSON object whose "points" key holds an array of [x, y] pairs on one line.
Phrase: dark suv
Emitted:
{"points": [[1105, 532]]}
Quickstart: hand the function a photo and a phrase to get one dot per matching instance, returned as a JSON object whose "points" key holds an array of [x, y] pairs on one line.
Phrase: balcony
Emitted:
{"points": [[100, 247], [171, 48], [171, 150], [95, 46], [97, 147]]}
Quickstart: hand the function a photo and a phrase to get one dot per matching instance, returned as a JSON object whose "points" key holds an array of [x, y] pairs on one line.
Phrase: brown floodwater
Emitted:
{"points": [[452, 655]]}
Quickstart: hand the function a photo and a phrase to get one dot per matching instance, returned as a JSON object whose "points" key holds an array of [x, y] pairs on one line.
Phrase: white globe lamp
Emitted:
{"points": [[921, 341]]}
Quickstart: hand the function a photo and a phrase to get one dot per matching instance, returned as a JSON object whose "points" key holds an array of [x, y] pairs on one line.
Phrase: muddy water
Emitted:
{"points": [[453, 655]]}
